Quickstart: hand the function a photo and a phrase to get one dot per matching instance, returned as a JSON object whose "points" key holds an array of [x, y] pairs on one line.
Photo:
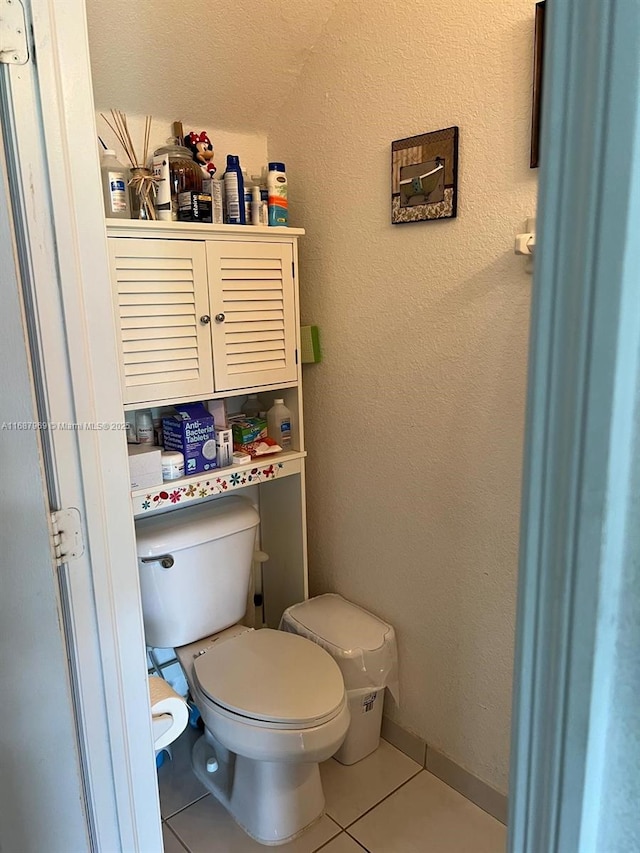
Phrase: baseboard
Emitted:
{"points": [[405, 741], [461, 780]]}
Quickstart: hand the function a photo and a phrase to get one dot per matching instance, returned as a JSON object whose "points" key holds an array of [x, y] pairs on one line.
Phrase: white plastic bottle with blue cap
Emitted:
{"points": [[279, 424], [277, 188], [115, 190], [234, 191]]}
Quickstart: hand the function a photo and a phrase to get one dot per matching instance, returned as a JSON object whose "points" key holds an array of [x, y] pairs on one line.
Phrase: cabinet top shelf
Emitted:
{"points": [[123, 227]]}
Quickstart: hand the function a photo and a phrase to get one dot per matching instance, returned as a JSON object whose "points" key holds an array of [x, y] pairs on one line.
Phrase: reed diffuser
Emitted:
{"points": [[143, 184]]}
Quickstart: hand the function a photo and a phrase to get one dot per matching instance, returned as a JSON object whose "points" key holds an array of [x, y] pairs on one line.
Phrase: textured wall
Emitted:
{"points": [[233, 62], [415, 418]]}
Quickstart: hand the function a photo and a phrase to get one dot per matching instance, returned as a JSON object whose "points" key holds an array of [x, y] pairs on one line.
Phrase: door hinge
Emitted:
{"points": [[68, 543], [293, 268], [14, 45], [296, 355]]}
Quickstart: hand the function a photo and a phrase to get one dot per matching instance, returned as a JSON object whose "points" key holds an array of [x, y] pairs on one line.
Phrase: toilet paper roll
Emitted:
{"points": [[169, 712]]}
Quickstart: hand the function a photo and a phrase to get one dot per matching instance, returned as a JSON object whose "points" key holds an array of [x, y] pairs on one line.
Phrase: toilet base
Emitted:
{"points": [[272, 801]]}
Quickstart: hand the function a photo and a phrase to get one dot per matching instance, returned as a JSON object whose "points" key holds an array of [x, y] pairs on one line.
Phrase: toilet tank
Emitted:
{"points": [[194, 565]]}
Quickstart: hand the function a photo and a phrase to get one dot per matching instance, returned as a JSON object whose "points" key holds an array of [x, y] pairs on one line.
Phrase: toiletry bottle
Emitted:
{"points": [[279, 424], [248, 187], [277, 186], [217, 199], [252, 407], [260, 181], [172, 464], [115, 178], [234, 191], [130, 423], [255, 205], [144, 426], [157, 432]]}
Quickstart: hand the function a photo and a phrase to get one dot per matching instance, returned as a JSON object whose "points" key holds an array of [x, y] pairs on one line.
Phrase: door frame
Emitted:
{"points": [[581, 440], [60, 229]]}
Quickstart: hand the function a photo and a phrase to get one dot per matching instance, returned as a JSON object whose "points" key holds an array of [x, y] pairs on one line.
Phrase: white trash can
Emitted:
{"points": [[364, 647]]}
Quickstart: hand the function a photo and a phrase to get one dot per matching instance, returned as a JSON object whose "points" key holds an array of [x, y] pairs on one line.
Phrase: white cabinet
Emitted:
{"points": [[161, 300], [252, 299], [212, 311], [203, 310]]}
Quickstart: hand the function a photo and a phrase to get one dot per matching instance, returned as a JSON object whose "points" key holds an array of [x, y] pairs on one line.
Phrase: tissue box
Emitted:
{"points": [[145, 466], [192, 432], [248, 430]]}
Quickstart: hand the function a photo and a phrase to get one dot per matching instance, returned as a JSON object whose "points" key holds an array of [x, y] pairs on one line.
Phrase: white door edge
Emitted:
{"points": [[61, 229]]}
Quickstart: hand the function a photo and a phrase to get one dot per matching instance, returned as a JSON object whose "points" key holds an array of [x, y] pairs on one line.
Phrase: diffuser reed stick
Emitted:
{"points": [[142, 182], [147, 134]]}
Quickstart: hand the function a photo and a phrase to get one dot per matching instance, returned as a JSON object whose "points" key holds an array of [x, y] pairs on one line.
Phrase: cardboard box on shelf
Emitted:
{"points": [[248, 431], [145, 466], [224, 447], [192, 431], [260, 447], [218, 408], [194, 207]]}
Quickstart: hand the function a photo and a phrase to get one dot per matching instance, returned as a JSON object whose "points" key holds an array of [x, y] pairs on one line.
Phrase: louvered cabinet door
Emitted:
{"points": [[161, 294], [252, 297]]}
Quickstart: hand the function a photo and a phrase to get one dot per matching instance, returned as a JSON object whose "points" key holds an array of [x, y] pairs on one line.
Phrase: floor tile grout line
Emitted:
{"points": [[188, 806], [326, 843], [331, 840], [359, 843], [178, 839], [333, 837], [375, 806]]}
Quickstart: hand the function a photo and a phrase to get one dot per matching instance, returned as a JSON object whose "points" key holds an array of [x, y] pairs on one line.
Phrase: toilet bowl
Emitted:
{"points": [[273, 709], [273, 703]]}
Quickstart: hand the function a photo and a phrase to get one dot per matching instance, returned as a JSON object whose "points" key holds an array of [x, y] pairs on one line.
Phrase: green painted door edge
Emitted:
{"points": [[581, 436]]}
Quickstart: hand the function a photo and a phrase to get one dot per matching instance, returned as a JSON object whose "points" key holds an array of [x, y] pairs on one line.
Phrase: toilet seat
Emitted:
{"points": [[271, 678]]}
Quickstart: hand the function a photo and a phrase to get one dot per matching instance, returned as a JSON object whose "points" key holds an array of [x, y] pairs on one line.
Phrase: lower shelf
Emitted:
{"points": [[188, 490]]}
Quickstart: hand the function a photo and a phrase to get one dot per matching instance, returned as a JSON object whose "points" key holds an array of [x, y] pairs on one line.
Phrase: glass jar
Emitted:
{"points": [[142, 190], [184, 172]]}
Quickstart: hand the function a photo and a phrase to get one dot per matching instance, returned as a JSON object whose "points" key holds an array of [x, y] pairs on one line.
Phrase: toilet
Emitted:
{"points": [[273, 704]]}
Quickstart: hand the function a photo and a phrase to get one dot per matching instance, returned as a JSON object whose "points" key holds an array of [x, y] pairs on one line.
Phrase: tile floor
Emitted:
{"points": [[384, 804]]}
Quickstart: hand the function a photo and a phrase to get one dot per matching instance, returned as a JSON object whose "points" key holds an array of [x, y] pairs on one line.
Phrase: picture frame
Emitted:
{"points": [[538, 63], [424, 177]]}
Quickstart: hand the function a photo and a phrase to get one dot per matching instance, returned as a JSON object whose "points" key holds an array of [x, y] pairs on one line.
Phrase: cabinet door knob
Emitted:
{"points": [[220, 318], [205, 319]]}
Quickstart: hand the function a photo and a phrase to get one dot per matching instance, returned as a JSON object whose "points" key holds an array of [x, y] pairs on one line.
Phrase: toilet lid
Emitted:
{"points": [[272, 676]]}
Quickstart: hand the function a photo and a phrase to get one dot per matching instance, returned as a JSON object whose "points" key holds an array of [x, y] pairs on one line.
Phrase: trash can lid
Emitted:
{"points": [[341, 623]]}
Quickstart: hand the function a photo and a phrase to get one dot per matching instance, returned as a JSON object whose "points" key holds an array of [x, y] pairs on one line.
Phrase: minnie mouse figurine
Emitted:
{"points": [[202, 149]]}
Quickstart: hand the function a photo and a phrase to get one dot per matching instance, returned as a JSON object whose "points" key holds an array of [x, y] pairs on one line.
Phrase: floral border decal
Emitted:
{"points": [[214, 485]]}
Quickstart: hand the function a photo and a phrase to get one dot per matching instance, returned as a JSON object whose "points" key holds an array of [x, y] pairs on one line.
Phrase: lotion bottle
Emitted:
{"points": [[115, 190], [277, 188]]}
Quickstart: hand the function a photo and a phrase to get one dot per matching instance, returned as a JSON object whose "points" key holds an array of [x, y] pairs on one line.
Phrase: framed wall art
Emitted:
{"points": [[538, 56], [424, 177]]}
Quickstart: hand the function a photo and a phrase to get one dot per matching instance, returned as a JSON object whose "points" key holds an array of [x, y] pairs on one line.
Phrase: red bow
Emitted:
{"points": [[199, 137]]}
